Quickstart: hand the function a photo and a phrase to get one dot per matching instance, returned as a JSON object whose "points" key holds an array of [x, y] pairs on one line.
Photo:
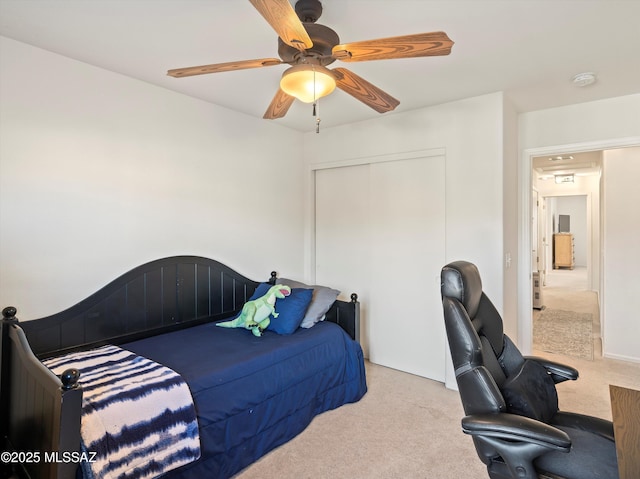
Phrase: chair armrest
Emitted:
{"points": [[559, 372], [518, 440], [512, 427]]}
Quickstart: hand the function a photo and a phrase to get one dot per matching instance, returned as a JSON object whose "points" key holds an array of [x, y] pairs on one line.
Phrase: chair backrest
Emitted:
{"points": [[483, 356]]}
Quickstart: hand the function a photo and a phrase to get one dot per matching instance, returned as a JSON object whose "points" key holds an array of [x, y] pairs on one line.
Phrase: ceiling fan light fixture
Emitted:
{"points": [[308, 82], [560, 179]]}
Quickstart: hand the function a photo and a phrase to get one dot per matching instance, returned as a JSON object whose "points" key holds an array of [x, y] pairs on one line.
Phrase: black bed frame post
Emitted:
{"points": [[356, 316], [71, 410], [8, 318], [66, 407]]}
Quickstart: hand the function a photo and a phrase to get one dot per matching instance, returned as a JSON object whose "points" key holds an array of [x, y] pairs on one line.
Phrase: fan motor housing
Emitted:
{"points": [[323, 38]]}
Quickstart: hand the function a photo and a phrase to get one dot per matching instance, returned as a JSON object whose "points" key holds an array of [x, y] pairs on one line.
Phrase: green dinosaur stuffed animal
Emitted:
{"points": [[255, 315]]}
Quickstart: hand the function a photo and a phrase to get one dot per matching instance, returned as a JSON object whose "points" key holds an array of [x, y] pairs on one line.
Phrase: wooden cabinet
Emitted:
{"points": [[563, 251]]}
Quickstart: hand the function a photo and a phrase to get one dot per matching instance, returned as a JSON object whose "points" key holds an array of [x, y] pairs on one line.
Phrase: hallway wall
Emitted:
{"points": [[621, 228]]}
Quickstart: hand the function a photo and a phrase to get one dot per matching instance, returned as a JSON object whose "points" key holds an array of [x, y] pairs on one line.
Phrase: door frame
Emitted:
{"points": [[535, 230], [525, 300]]}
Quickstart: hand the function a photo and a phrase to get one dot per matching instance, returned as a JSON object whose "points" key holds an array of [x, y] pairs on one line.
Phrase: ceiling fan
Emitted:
{"points": [[309, 47]]}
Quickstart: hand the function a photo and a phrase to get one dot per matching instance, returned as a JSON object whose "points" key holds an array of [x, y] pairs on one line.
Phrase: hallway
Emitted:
{"points": [[566, 290]]}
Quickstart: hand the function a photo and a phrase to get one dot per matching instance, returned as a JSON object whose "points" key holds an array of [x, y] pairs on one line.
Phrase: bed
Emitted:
{"points": [[250, 394]]}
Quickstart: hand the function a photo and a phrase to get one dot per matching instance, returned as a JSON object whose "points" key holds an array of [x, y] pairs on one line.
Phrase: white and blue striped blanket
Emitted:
{"points": [[137, 415]]}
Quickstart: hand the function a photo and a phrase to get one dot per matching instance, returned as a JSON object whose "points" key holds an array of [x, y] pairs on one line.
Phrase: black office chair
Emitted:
{"points": [[510, 401]]}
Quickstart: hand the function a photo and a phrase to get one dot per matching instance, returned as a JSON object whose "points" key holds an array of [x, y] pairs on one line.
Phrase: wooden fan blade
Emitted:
{"points": [[279, 106], [284, 20], [223, 67], [362, 90], [407, 46]]}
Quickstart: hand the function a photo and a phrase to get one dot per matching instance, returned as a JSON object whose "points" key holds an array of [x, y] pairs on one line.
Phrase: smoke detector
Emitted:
{"points": [[584, 79]]}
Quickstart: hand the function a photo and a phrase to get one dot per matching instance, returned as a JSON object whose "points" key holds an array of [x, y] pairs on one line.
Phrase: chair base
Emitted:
{"points": [[499, 470]]}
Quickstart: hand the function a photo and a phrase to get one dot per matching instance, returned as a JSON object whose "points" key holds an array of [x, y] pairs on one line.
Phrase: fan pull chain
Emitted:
{"points": [[316, 113], [316, 106]]}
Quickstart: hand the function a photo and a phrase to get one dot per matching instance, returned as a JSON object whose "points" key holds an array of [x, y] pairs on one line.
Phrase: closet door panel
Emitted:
{"points": [[407, 217], [380, 232], [342, 253]]}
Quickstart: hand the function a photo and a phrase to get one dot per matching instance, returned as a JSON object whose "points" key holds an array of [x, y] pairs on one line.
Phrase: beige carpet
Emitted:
{"points": [[405, 427], [564, 332], [408, 427]]}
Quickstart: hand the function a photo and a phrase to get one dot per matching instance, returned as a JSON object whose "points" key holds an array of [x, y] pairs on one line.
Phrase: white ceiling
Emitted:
{"points": [[529, 49]]}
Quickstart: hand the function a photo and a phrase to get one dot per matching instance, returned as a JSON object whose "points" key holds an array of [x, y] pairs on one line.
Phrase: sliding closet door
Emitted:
{"points": [[342, 235], [407, 245], [395, 255]]}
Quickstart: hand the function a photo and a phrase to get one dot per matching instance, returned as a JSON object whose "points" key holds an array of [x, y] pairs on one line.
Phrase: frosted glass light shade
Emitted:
{"points": [[298, 81]]}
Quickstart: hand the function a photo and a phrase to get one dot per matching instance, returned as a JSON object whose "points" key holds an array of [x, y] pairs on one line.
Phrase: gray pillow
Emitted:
{"points": [[322, 299]]}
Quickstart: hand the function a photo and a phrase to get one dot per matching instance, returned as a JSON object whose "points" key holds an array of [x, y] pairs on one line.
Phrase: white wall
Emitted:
{"points": [[470, 132], [621, 221], [594, 121], [100, 173], [510, 223], [598, 125]]}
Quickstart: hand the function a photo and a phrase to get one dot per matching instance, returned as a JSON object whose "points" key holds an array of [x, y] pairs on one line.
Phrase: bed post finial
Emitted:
{"points": [[69, 379], [354, 298], [274, 277], [9, 313]]}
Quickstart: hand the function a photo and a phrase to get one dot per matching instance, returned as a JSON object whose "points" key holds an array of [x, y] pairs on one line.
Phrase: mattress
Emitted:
{"points": [[253, 394]]}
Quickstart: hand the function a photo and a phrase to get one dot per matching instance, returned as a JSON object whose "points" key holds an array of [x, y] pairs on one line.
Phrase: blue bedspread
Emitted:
{"points": [[253, 394]]}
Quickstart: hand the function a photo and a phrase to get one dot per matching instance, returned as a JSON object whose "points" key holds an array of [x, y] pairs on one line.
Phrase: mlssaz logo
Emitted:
{"points": [[68, 457]]}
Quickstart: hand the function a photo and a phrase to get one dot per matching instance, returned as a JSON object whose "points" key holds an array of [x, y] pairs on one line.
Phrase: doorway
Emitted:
{"points": [[566, 314], [599, 263]]}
